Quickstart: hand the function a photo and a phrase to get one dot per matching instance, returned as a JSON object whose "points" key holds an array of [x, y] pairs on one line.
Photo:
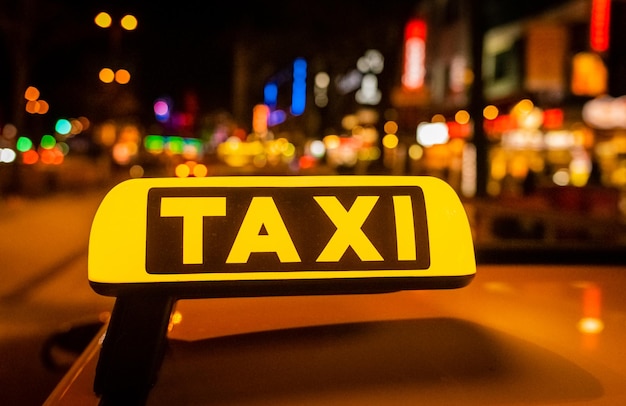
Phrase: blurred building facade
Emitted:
{"points": [[551, 98]]}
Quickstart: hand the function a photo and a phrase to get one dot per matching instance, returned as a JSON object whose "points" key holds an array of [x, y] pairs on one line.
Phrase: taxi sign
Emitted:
{"points": [[258, 235], [154, 241]]}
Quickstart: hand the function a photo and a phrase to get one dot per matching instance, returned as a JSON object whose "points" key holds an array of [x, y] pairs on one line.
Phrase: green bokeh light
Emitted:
{"points": [[48, 142], [23, 144]]}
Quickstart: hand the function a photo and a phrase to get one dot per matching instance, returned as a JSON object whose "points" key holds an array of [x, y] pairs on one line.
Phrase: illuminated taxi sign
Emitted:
{"points": [[236, 236], [219, 230]]}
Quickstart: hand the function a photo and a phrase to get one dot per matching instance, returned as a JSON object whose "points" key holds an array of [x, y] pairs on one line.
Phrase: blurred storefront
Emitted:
{"points": [[553, 121]]}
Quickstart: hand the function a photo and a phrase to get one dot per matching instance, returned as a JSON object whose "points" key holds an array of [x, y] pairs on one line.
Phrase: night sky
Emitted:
{"points": [[181, 46]]}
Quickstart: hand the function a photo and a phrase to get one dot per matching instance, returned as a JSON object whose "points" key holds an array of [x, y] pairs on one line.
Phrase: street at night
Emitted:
{"points": [[463, 159], [43, 251]]}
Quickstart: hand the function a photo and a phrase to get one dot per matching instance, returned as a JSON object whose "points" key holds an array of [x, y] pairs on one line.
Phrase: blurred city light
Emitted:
{"points": [[122, 76], [154, 143], [490, 112], [200, 171], [298, 95], [589, 75], [9, 131], [136, 171], [63, 126], [605, 112], [599, 25], [414, 55], [321, 82], [23, 144], [7, 155], [462, 117], [416, 152], [48, 141], [277, 117], [429, 134], [31, 93], [390, 141], [107, 75], [30, 157], [162, 110], [174, 145], [129, 22], [33, 104], [390, 127], [317, 148], [103, 20], [270, 94], [260, 117], [37, 107]]}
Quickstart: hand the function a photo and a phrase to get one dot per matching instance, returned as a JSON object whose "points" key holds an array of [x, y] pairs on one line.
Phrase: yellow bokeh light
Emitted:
{"points": [[331, 141], [106, 75], [518, 167], [391, 127], [103, 20], [523, 107], [182, 171], [490, 112], [438, 118], [499, 166], [129, 22], [200, 171], [462, 117], [349, 122], [416, 152], [590, 325], [122, 76], [390, 141], [31, 93]]}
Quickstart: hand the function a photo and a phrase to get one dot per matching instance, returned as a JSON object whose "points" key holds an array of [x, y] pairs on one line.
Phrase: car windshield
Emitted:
{"points": [[519, 108]]}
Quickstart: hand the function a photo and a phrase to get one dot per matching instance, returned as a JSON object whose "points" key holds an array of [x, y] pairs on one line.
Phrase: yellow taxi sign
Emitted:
{"points": [[249, 236]]}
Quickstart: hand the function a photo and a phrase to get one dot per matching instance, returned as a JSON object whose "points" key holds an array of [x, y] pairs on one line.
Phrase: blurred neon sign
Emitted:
{"points": [[600, 25], [298, 95], [414, 54]]}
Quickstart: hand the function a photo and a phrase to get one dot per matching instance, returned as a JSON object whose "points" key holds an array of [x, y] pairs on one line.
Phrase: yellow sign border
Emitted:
{"points": [[117, 243]]}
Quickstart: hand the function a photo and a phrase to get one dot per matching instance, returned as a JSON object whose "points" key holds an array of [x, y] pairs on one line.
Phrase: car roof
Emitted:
{"points": [[516, 334]]}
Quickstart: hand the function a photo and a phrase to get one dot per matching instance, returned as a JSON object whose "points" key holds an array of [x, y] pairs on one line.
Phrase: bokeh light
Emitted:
{"points": [[182, 171], [23, 144], [122, 76], [48, 141], [103, 20], [136, 171], [106, 75], [7, 155], [490, 112], [31, 93], [129, 22], [200, 171], [63, 126], [30, 157], [161, 110], [390, 141], [462, 117], [9, 131], [391, 127]]}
